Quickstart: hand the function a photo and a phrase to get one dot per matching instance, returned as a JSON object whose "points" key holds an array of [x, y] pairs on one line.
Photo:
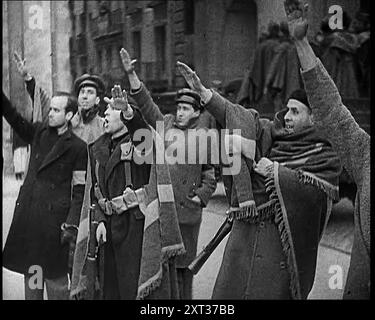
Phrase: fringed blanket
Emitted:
{"points": [[162, 240], [301, 184]]}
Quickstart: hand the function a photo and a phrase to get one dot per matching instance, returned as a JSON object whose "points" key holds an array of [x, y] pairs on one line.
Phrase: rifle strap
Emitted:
{"points": [[128, 174]]}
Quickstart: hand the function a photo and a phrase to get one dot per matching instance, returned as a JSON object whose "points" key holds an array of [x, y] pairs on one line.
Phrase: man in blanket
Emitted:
{"points": [[280, 199]]}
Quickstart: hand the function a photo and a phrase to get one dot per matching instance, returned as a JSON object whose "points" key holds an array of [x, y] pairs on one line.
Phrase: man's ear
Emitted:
{"points": [[197, 113], [97, 100], [69, 115]]}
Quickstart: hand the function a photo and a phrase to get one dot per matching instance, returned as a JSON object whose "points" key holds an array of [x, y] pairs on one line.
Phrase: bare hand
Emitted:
{"points": [[119, 99], [21, 65], [127, 62], [296, 13], [197, 200], [101, 233], [262, 165], [191, 77]]}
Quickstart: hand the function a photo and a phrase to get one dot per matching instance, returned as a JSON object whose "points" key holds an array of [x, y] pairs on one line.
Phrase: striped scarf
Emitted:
{"points": [[41, 105], [241, 197], [308, 153], [39, 113], [162, 239]]}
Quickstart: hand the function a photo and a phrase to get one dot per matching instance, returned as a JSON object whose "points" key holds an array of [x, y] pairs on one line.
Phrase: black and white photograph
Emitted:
{"points": [[208, 150]]}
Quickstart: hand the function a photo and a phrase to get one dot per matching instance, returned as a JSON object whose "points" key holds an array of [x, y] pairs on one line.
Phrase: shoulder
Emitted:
{"points": [[207, 120], [78, 142]]}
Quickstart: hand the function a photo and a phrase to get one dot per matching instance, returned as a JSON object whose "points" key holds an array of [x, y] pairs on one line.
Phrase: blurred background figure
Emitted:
{"points": [[339, 58], [252, 92], [283, 77]]}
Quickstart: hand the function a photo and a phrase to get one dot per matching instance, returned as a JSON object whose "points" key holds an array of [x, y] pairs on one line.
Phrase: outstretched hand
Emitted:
{"points": [[296, 13], [191, 77], [127, 62], [119, 99], [21, 65]]}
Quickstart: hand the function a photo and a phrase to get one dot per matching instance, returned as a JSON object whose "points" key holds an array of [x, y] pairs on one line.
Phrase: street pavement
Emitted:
{"points": [[333, 254]]}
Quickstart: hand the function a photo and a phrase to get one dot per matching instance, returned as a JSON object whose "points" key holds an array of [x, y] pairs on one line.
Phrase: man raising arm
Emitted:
{"points": [[351, 143]]}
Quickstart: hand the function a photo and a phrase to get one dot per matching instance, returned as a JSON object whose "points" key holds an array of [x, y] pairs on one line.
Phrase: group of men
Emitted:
{"points": [[280, 200]]}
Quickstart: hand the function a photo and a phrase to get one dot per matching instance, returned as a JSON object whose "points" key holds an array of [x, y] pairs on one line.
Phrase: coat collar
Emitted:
{"points": [[115, 157], [62, 145], [100, 151]]}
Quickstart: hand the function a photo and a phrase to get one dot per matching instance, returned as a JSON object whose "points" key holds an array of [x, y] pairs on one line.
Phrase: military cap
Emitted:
{"points": [[189, 96], [89, 80]]}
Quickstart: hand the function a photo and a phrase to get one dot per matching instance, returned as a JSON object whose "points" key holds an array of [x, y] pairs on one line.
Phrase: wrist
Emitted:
{"points": [[27, 76], [301, 42], [206, 95], [128, 113]]}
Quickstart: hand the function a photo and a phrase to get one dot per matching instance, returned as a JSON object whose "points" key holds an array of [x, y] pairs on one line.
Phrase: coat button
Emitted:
{"points": [[282, 265], [37, 156], [258, 256], [262, 224], [184, 182], [52, 186], [181, 203]]}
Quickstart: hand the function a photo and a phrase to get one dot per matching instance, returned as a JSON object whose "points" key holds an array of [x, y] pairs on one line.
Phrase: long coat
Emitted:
{"points": [[46, 199], [353, 146], [188, 180], [123, 249]]}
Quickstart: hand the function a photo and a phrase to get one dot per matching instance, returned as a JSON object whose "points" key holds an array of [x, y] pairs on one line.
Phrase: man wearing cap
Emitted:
{"points": [[280, 200], [86, 124], [193, 183]]}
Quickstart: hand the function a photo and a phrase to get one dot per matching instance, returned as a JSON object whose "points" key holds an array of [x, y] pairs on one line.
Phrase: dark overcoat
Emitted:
{"points": [[123, 248], [46, 199]]}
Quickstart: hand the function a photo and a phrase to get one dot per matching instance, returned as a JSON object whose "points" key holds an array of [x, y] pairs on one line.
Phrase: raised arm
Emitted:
{"points": [[332, 118], [138, 91], [39, 97], [23, 128]]}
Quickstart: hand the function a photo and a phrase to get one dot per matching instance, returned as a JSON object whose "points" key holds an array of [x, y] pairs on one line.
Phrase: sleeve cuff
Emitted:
{"points": [[311, 72], [136, 91]]}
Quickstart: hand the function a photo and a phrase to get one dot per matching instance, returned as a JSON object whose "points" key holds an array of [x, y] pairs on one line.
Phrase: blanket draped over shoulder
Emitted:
{"points": [[162, 240], [301, 183]]}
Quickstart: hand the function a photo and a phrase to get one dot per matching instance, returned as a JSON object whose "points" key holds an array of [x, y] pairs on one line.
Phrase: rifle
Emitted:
{"points": [[92, 265], [202, 257]]}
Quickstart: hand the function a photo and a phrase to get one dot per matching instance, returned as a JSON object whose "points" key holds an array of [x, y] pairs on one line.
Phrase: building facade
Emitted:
{"points": [[216, 38], [64, 39], [39, 31]]}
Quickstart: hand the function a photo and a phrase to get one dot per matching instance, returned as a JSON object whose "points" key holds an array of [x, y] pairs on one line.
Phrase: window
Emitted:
{"points": [[108, 59], [99, 61], [136, 40], [189, 16], [160, 43], [115, 57]]}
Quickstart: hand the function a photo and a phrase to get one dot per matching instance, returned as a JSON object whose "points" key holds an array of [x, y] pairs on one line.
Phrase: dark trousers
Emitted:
{"points": [[57, 289], [185, 283]]}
